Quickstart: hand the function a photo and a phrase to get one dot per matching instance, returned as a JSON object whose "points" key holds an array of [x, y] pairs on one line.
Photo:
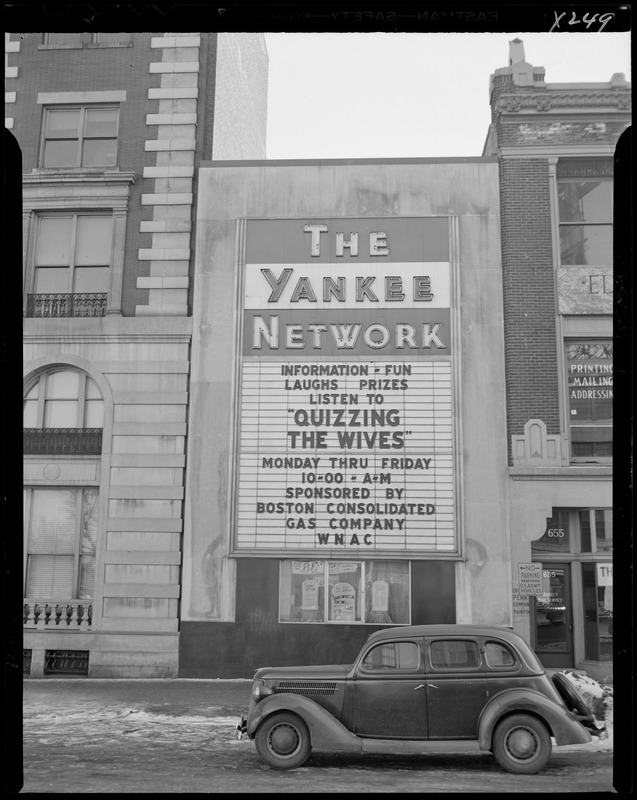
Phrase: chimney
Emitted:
{"points": [[516, 51]]}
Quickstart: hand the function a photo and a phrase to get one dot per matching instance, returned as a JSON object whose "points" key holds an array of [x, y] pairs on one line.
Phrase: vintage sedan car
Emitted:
{"points": [[418, 690]]}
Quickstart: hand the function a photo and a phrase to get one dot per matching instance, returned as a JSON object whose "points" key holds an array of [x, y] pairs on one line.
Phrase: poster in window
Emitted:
{"points": [[343, 597]]}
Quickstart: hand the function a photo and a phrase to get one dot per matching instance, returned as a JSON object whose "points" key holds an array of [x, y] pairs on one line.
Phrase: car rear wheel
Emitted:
{"points": [[283, 741], [522, 744]]}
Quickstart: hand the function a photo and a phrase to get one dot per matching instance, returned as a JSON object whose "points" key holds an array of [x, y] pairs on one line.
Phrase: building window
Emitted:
{"points": [[63, 415], [72, 265], [63, 39], [60, 527], [590, 397], [85, 39], [585, 207], [596, 530], [372, 592], [111, 38], [80, 136]]}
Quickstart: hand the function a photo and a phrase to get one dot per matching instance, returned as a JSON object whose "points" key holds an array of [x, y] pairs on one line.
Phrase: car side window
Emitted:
{"points": [[498, 655], [454, 654], [392, 656]]}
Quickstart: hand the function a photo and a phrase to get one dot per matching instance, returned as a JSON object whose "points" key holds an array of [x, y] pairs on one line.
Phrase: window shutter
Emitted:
{"points": [[49, 577], [53, 521]]}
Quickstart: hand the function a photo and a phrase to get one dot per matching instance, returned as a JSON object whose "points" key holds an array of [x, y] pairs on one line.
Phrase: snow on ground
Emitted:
{"points": [[599, 697]]}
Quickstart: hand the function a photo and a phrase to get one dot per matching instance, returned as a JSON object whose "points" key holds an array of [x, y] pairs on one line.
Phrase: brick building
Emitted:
{"points": [[112, 128], [555, 144]]}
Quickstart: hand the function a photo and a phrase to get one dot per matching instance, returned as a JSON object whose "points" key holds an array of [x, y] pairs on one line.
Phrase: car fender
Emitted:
{"points": [[563, 726], [326, 732]]}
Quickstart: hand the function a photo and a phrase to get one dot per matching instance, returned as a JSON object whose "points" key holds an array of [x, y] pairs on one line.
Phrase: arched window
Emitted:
{"points": [[63, 414]]}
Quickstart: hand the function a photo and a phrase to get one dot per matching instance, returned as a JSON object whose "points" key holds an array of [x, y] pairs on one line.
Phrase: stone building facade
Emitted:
{"points": [[112, 128]]}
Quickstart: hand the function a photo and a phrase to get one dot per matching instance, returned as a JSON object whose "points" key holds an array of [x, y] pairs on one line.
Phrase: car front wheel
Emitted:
{"points": [[283, 741], [522, 744]]}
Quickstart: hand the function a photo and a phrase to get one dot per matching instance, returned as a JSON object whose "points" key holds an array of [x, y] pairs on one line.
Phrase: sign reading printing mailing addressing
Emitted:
{"points": [[346, 434]]}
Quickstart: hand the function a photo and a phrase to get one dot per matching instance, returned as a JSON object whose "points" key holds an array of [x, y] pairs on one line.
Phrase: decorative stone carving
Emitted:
{"points": [[543, 101], [536, 447]]}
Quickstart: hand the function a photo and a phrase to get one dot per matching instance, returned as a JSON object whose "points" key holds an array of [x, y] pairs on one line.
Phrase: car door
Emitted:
{"points": [[389, 692], [456, 686]]}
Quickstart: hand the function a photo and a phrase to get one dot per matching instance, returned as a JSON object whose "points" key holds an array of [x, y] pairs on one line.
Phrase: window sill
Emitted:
{"points": [[60, 47], [58, 176], [84, 46], [45, 171], [104, 46]]}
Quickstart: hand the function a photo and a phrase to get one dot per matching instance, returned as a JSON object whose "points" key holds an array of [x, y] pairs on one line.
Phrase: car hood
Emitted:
{"points": [[320, 672]]}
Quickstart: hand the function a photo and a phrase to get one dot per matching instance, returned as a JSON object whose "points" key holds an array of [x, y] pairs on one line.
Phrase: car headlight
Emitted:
{"points": [[260, 690]]}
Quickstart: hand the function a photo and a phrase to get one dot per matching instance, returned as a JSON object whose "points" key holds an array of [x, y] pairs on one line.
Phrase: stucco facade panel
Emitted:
{"points": [[228, 192]]}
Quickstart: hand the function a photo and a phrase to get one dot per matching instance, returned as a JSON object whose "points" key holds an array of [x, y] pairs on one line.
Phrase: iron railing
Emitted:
{"points": [[62, 441], [65, 662], [86, 304]]}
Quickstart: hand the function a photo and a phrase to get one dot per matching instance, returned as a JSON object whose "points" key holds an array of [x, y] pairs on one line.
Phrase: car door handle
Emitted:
{"points": [[422, 686]]}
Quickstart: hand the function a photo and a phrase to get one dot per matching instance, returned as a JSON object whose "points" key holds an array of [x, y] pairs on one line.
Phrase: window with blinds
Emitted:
{"points": [[61, 529]]}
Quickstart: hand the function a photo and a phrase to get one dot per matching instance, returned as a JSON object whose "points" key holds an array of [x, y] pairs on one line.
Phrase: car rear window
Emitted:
{"points": [[393, 655], [454, 654], [498, 655]]}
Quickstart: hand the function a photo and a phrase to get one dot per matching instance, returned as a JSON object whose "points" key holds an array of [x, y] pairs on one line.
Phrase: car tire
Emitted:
{"points": [[283, 741], [572, 698], [522, 744]]}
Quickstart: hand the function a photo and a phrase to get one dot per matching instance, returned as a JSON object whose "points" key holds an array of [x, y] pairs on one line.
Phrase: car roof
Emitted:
{"points": [[406, 631]]}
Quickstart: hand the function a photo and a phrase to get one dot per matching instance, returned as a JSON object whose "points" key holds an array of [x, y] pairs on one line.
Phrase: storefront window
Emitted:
{"points": [[556, 538], [590, 397], [373, 592], [577, 584], [597, 582], [596, 527]]}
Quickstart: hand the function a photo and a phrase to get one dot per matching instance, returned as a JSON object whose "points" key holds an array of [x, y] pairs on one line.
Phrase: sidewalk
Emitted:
{"points": [[185, 696]]}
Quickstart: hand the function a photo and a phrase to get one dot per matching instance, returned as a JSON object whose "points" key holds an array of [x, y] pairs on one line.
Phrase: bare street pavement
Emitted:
{"points": [[177, 736]]}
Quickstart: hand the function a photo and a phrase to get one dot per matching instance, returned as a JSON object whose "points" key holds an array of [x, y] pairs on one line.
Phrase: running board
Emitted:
{"points": [[420, 747]]}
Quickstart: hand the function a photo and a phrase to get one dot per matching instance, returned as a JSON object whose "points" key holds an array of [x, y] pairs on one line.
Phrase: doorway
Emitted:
{"points": [[553, 615]]}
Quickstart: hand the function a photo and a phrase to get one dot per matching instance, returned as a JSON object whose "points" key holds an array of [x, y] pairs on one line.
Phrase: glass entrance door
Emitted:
{"points": [[554, 617]]}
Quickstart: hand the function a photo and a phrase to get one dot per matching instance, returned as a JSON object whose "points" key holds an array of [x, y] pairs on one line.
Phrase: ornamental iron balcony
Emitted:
{"points": [[87, 304], [63, 615], [62, 441]]}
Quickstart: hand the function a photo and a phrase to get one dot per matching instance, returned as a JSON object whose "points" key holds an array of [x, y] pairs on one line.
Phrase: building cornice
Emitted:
{"points": [[619, 99]]}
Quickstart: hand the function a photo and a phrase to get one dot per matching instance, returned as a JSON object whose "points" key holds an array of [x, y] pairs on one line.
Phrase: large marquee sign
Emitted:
{"points": [[346, 403]]}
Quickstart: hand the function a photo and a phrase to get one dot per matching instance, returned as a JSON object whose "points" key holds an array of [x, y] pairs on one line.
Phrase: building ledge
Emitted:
{"points": [[47, 175], [114, 326], [573, 472]]}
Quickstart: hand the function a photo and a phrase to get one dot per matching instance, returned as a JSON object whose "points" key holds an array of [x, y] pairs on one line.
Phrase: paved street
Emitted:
{"points": [[176, 736]]}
